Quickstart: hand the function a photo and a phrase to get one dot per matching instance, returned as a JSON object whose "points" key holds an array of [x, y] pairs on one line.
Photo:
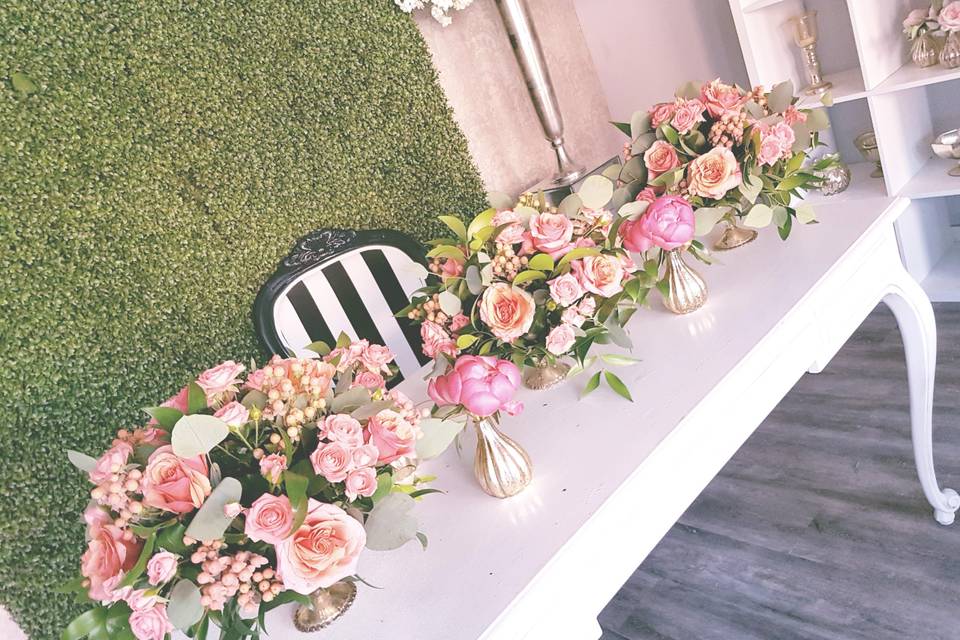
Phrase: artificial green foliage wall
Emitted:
{"points": [[157, 159]]}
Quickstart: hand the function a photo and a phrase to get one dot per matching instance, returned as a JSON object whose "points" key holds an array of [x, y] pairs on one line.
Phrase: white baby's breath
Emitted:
{"points": [[438, 8]]}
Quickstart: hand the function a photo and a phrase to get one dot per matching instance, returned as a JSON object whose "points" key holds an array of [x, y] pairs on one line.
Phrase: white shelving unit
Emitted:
{"points": [[875, 86]]}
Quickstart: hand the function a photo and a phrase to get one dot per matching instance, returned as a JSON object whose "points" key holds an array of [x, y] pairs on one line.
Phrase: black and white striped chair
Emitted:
{"points": [[347, 281]]}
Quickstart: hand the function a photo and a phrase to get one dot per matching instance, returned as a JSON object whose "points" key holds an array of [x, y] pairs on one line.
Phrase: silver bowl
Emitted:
{"points": [[866, 144], [947, 145]]}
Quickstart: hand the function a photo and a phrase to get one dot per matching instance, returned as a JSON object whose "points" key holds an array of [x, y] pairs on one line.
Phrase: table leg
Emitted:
{"points": [[914, 314]]}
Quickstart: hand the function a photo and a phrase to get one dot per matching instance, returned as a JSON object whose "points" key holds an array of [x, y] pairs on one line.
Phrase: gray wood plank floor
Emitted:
{"points": [[817, 529]]}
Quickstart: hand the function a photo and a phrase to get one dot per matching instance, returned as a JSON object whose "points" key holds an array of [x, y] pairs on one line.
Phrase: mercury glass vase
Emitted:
{"points": [[326, 606], [924, 50], [836, 178], [950, 54], [501, 466], [688, 291], [545, 375]]}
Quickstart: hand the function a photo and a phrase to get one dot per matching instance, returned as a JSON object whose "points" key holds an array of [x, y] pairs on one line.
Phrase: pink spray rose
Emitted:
{"points": [[161, 567], [565, 290], [512, 234], [660, 158], [668, 223], [361, 482], [551, 232], [507, 310], [560, 339], [376, 357], [176, 484], [688, 115], [587, 306], [151, 624], [769, 151], [458, 322], [776, 142], [487, 384], [111, 462], [344, 429], [233, 413], [323, 551], [364, 456], [949, 18], [601, 274], [269, 519], [714, 173], [646, 195], [436, 340], [571, 316], [221, 380], [662, 112], [392, 435], [451, 268], [272, 467], [110, 551], [332, 461], [792, 115], [255, 380], [368, 380], [720, 98]]}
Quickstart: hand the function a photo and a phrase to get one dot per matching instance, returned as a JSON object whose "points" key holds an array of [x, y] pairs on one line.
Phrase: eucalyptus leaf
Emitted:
{"points": [[216, 475], [450, 304], [197, 434], [390, 524], [595, 192], [750, 188], [635, 208], [617, 334], [611, 173], [635, 169], [780, 97], [210, 522], [500, 200], [81, 461], [184, 609], [486, 274], [371, 409], [780, 215], [525, 213], [570, 206], [254, 398], [642, 143], [818, 120], [350, 400], [639, 123], [759, 216], [806, 214], [707, 218], [437, 436], [474, 280]]}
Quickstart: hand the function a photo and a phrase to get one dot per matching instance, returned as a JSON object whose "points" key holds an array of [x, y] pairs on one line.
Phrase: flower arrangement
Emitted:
{"points": [[534, 284], [727, 153], [921, 21], [438, 8], [245, 492], [949, 17]]}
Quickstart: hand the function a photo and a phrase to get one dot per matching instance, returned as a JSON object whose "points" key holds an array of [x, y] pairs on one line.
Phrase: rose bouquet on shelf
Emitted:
{"points": [[921, 21], [246, 492], [730, 154]]}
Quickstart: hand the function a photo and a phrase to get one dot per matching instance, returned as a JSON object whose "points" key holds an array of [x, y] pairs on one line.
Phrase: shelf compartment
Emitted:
{"points": [[910, 76], [942, 284], [932, 180], [847, 85]]}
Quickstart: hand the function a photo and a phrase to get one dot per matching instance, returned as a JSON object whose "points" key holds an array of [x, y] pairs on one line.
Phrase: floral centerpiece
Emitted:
{"points": [[244, 492], [730, 154]]}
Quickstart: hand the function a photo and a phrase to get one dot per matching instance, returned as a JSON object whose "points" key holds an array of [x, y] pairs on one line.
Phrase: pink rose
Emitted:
{"points": [[445, 390], [344, 429], [221, 381], [451, 268], [560, 339], [720, 98], [233, 413], [151, 624], [785, 135], [713, 174], [162, 567], [668, 223], [232, 509], [376, 357], [769, 150], [110, 551], [601, 274], [551, 232], [392, 435], [332, 461], [269, 519], [323, 551], [436, 340], [662, 112], [179, 401], [587, 306], [364, 456], [792, 115], [254, 380], [368, 380], [272, 467], [565, 290], [949, 18], [915, 18], [775, 142], [458, 322], [512, 234], [140, 600], [571, 316], [361, 482], [487, 384], [688, 115], [646, 195], [507, 310], [176, 484], [660, 158], [115, 593], [111, 462]]}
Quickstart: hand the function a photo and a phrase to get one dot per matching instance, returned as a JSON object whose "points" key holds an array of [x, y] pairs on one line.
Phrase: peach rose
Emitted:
{"points": [[361, 482], [601, 274], [713, 174], [551, 232], [560, 339], [565, 290], [151, 624], [162, 567], [176, 484], [507, 310], [221, 381], [323, 551], [269, 519], [512, 234], [344, 429], [272, 467], [662, 112], [111, 462], [435, 341], [660, 158], [689, 114], [110, 551], [233, 413], [720, 98], [332, 461], [392, 435]]}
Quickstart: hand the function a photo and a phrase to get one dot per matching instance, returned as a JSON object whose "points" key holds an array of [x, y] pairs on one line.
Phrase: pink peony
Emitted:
{"points": [[151, 624], [221, 380], [512, 234], [560, 339], [111, 462], [713, 174], [662, 112], [392, 435], [720, 98], [949, 18], [565, 290], [332, 461], [269, 519], [272, 467], [162, 567], [551, 232], [601, 274], [361, 482], [436, 341], [110, 551], [486, 384], [445, 390], [344, 429], [660, 158], [688, 115], [233, 413], [175, 484], [369, 380], [507, 310], [668, 223], [323, 551]]}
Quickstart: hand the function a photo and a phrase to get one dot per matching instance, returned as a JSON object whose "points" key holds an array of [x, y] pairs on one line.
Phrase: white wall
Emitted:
{"points": [[644, 49]]}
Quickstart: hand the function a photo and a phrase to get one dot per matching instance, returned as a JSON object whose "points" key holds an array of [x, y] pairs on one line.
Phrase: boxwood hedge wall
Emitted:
{"points": [[156, 160]]}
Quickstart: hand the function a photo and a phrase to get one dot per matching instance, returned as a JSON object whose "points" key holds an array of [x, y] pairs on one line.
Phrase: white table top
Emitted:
{"points": [[483, 552]]}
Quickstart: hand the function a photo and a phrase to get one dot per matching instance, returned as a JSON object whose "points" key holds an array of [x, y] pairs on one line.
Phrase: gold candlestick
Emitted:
{"points": [[805, 36]]}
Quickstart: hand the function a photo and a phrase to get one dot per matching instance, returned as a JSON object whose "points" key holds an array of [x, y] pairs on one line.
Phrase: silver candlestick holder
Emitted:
{"points": [[526, 47], [805, 36]]}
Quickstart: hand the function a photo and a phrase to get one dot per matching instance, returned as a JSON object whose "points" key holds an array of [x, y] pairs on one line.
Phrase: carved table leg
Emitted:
{"points": [[914, 314]]}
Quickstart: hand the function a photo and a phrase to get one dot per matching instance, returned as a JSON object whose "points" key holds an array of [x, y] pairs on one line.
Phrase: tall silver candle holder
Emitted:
{"points": [[526, 47], [805, 36]]}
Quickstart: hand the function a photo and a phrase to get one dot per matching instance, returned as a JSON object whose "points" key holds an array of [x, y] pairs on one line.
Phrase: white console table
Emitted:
{"points": [[612, 477]]}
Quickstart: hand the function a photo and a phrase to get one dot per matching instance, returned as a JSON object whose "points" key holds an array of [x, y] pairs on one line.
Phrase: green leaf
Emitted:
{"points": [[197, 434], [171, 538], [750, 188], [296, 487], [617, 385], [456, 225], [350, 400], [390, 524], [622, 126], [780, 216], [343, 340], [166, 417], [84, 624], [466, 340], [780, 97], [319, 347], [196, 398], [137, 569], [595, 192], [528, 275], [795, 162], [827, 99], [254, 398], [81, 461], [210, 521], [576, 254], [639, 123], [793, 181], [670, 134], [447, 251], [541, 262], [22, 83], [437, 436], [707, 218], [818, 120], [483, 219], [806, 214], [618, 359], [592, 384], [384, 486], [759, 216], [184, 608]]}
